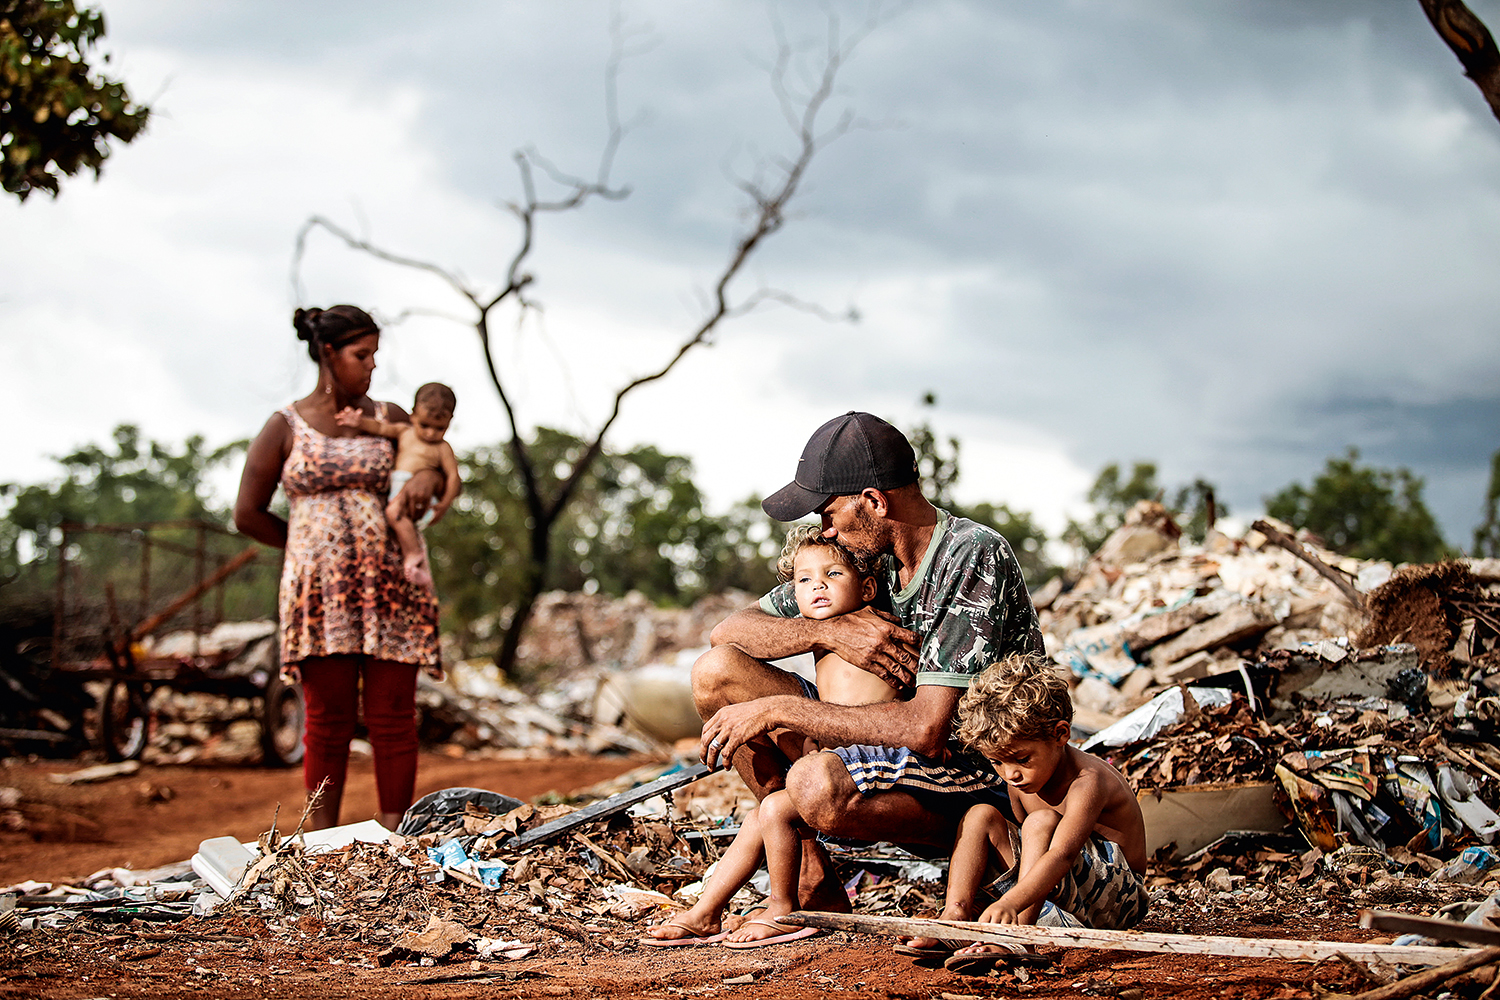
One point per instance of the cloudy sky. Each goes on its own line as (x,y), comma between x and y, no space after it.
(1233,239)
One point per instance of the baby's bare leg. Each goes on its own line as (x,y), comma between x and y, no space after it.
(705,917)
(413,552)
(781,831)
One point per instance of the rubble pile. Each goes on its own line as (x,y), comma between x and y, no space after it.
(450,889)
(1148,611)
(571,633)
(1364,697)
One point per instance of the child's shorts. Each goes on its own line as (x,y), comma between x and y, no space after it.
(400,478)
(1101,890)
(948,788)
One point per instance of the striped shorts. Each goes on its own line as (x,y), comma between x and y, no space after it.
(947,787)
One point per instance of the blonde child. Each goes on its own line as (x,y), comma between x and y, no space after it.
(420,452)
(826,582)
(1078,850)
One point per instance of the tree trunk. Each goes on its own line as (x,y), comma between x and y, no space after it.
(1472,42)
(536,581)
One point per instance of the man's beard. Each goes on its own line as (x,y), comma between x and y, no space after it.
(865,546)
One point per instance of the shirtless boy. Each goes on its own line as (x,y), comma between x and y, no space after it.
(420,452)
(1078,851)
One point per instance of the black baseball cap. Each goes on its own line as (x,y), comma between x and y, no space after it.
(850,453)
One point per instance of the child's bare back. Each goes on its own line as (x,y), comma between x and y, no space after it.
(1088,784)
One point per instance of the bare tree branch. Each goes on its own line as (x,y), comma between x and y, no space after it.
(766,215)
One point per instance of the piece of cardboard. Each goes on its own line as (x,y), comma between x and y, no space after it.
(1195,816)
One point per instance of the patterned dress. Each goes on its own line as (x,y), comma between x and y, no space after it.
(342,589)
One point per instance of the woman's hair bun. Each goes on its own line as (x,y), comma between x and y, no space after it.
(305,321)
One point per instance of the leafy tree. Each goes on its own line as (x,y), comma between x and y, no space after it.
(1112,499)
(120,575)
(1363,512)
(136,480)
(57,116)
(940,472)
(743,552)
(1487,535)
(636,523)
(1194,506)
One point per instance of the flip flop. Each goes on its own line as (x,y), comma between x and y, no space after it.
(984,962)
(912,951)
(693,940)
(796,935)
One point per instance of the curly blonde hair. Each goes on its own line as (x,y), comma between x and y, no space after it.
(1021,697)
(805,536)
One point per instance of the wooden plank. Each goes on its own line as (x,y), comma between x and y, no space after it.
(1085,937)
(1433,927)
(1238,622)
(1429,978)
(607,807)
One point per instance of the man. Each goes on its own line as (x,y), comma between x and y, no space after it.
(959,605)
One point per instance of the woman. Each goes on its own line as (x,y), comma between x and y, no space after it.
(348,614)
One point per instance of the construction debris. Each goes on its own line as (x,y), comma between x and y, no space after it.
(1309,735)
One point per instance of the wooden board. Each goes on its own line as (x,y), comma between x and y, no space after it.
(1433,927)
(1083,937)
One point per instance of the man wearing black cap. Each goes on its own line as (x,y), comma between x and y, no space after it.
(960,604)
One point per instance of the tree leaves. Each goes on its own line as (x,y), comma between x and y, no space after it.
(56,115)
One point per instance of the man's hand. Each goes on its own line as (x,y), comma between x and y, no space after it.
(733,726)
(875,642)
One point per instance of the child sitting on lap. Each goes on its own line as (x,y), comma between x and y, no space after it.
(420,452)
(827,583)
(1079,851)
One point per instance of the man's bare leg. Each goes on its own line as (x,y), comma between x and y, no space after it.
(829,802)
(727,675)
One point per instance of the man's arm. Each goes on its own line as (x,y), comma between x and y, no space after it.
(865,638)
(921,724)
(349,416)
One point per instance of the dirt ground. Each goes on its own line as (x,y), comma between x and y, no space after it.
(159,815)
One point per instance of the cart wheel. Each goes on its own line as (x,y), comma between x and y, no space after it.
(282,723)
(125,720)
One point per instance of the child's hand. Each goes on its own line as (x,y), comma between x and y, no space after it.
(1000,912)
(349,416)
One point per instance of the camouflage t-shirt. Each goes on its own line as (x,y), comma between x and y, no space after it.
(967,602)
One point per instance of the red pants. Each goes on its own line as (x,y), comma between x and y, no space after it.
(331,687)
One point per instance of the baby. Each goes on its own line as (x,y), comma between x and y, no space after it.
(826,582)
(420,452)
(1077,851)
